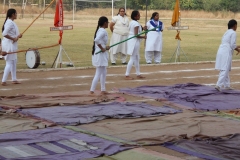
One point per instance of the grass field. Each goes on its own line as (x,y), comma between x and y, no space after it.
(200,42)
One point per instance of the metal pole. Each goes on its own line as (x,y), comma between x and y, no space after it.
(125,5)
(73,10)
(112,7)
(146,12)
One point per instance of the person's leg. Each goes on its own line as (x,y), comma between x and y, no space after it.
(129,67)
(221,79)
(113,58)
(124,58)
(227,81)
(148,56)
(7,70)
(103,78)
(14,70)
(157,57)
(95,79)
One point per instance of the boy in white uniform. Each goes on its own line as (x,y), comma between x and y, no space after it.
(224,56)
(154,40)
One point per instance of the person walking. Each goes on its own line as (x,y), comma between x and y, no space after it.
(11,35)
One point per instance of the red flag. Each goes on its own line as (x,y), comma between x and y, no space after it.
(58,19)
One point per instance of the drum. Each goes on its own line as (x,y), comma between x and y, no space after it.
(32,58)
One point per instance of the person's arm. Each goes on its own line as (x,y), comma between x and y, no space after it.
(136,32)
(98,41)
(111,26)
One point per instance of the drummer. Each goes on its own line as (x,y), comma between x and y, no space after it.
(11,35)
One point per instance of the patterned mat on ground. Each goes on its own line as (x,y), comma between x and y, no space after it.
(56,99)
(157,130)
(75,115)
(210,148)
(54,144)
(12,122)
(138,154)
(193,96)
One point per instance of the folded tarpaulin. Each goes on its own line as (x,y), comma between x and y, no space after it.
(54,144)
(157,130)
(75,115)
(55,99)
(217,148)
(193,96)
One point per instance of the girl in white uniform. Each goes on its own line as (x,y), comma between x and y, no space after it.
(119,28)
(154,40)
(100,60)
(11,35)
(224,55)
(133,45)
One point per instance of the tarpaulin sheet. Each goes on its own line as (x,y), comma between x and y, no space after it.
(54,99)
(138,154)
(157,130)
(218,148)
(74,115)
(54,144)
(12,122)
(194,96)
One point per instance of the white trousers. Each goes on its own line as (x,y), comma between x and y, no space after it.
(101,73)
(11,66)
(113,57)
(150,54)
(223,79)
(134,60)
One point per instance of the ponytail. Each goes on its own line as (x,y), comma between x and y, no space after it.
(9,14)
(93,48)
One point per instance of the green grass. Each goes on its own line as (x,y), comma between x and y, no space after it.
(200,42)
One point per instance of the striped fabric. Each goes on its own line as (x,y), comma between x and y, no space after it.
(45,148)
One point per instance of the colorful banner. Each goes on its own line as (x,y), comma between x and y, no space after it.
(58,19)
(176,14)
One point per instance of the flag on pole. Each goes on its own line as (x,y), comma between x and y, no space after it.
(176,14)
(58,19)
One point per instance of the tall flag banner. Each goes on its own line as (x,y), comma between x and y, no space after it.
(58,19)
(176,14)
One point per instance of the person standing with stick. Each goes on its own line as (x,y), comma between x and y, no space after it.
(133,45)
(11,35)
(119,28)
(100,61)
(224,56)
(154,41)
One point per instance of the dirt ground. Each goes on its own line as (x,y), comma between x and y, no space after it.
(78,79)
(36,81)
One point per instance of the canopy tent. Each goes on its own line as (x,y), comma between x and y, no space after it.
(106,1)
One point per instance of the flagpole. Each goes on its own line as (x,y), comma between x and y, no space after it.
(146,21)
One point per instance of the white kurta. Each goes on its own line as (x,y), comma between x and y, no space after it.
(154,39)
(134,41)
(225,51)
(100,59)
(120,33)
(11,29)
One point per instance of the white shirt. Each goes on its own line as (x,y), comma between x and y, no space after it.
(132,42)
(225,51)
(100,59)
(11,29)
(120,25)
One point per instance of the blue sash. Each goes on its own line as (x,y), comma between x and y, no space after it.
(159,26)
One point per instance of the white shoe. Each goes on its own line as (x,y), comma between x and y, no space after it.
(228,88)
(218,88)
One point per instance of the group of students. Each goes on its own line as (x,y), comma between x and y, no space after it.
(120,31)
(9,47)
(100,60)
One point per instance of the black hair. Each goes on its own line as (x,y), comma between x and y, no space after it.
(232,23)
(101,22)
(153,15)
(134,14)
(9,14)
(120,9)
